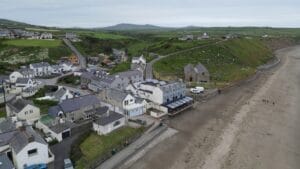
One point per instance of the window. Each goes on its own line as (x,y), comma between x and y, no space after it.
(116,123)
(126,102)
(26,112)
(32,152)
(31,111)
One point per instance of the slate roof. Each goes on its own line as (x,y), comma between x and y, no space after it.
(73,104)
(7,131)
(60,127)
(58,93)
(19,104)
(116,95)
(41,64)
(199,68)
(22,80)
(5,162)
(23,137)
(26,71)
(109,118)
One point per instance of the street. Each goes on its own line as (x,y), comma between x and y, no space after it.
(82,60)
(253,125)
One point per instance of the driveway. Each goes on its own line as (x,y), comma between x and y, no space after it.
(62,151)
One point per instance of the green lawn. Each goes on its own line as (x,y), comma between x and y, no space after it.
(70,79)
(95,146)
(228,61)
(124,66)
(33,43)
(104,35)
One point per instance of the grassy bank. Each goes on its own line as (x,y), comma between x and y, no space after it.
(94,147)
(227,61)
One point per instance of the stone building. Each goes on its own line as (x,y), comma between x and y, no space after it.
(197,73)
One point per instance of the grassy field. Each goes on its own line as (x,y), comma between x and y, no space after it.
(95,146)
(227,61)
(33,43)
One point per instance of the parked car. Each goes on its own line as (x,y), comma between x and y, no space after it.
(197,90)
(68,164)
(36,166)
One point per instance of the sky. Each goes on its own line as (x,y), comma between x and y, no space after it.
(171,13)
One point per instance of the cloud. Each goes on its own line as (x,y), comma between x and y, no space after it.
(98,13)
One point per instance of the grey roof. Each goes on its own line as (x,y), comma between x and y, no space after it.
(5,162)
(23,137)
(108,79)
(18,104)
(60,127)
(54,110)
(6,125)
(58,93)
(116,95)
(74,104)
(108,118)
(200,68)
(26,71)
(7,131)
(3,78)
(22,80)
(41,64)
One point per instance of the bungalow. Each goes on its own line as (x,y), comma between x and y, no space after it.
(124,103)
(28,148)
(108,122)
(60,95)
(41,69)
(23,110)
(75,109)
(21,73)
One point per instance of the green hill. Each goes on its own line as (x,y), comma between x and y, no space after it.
(227,61)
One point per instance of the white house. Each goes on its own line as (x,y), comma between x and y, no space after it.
(46,35)
(59,95)
(28,148)
(21,73)
(56,69)
(23,110)
(56,128)
(41,69)
(159,92)
(138,63)
(108,122)
(66,66)
(124,102)
(25,83)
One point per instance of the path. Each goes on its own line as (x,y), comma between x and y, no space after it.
(241,128)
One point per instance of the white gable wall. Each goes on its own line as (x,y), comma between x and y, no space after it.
(23,158)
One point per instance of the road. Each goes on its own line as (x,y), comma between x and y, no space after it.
(252,125)
(82,59)
(149,66)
